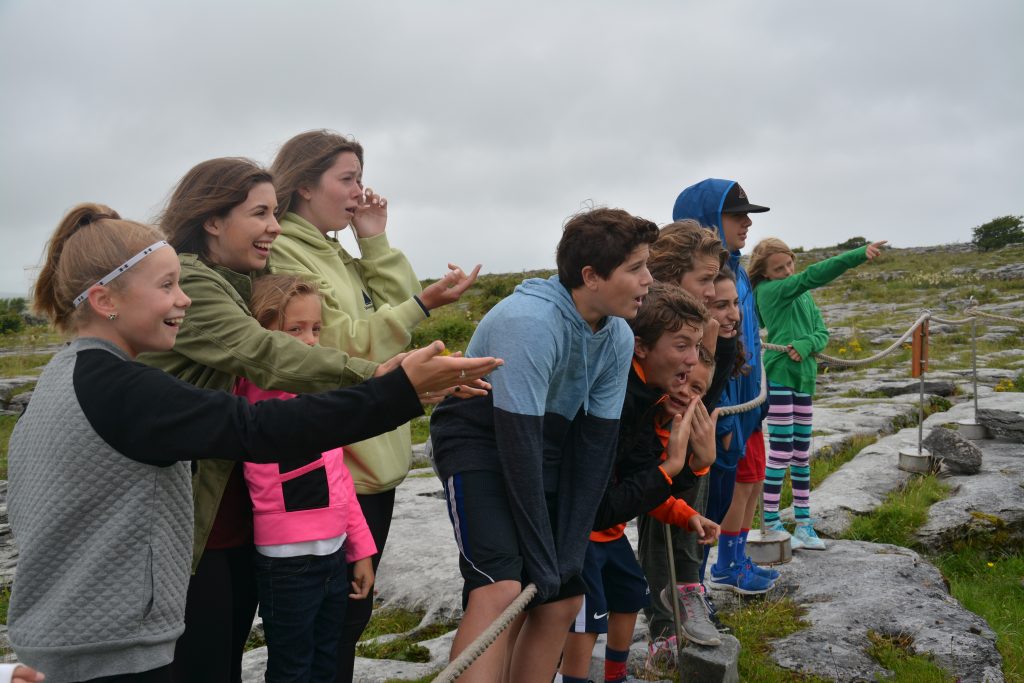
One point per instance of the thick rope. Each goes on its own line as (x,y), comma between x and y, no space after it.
(749,405)
(852,363)
(994,316)
(458,666)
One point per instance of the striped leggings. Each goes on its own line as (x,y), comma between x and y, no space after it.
(789,442)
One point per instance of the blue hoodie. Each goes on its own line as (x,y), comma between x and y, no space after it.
(549,426)
(703,203)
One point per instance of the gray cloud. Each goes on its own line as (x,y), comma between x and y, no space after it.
(487,125)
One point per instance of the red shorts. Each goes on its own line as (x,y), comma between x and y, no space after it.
(750,469)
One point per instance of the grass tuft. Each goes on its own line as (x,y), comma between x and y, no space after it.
(895,651)
(902,513)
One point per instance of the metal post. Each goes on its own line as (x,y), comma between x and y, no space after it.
(674,592)
(920,418)
(974,363)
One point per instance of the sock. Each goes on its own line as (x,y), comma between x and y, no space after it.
(728,542)
(615,665)
(573,679)
(741,552)
(689,587)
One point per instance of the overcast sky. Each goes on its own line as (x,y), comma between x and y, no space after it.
(487,124)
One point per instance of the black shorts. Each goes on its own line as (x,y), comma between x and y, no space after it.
(486,534)
(615,583)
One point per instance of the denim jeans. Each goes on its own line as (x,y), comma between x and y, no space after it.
(302,603)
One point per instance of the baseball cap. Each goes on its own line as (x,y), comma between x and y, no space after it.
(736,202)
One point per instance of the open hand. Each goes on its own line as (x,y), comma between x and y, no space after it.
(449,288)
(678,439)
(371,217)
(875,248)
(706,530)
(702,437)
(429,371)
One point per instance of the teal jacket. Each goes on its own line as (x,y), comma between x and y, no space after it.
(786,308)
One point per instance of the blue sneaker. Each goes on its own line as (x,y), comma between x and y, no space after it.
(808,538)
(764,572)
(739,579)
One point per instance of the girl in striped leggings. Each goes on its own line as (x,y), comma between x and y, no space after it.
(786,309)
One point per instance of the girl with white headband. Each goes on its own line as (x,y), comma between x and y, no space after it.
(100,497)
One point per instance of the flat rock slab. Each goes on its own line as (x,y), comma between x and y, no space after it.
(856,587)
(992,500)
(862,484)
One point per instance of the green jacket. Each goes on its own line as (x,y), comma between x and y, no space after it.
(788,311)
(220,341)
(369,310)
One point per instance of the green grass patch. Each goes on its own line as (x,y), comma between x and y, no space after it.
(6,427)
(422,679)
(5,602)
(934,404)
(255,640)
(401,649)
(895,652)
(420,429)
(902,513)
(754,624)
(989,583)
(33,337)
(23,364)
(392,620)
(1015,384)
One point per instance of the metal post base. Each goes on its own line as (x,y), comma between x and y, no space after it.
(917,463)
(769,547)
(969,429)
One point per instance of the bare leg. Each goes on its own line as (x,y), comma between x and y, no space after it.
(485,605)
(541,641)
(513,634)
(579,648)
(742,496)
(620,630)
(755,496)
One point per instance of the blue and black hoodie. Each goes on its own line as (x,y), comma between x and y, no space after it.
(549,426)
(703,203)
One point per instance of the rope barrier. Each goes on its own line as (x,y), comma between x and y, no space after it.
(995,316)
(749,405)
(458,666)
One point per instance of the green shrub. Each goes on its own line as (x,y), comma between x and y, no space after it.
(999,232)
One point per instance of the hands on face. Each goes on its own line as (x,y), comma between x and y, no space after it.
(371,217)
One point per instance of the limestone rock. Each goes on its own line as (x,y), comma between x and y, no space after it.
(714,664)
(958,454)
(992,500)
(1004,424)
(855,587)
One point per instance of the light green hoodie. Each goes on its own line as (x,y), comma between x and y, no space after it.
(369,311)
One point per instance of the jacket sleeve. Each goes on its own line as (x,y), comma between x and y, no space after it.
(359,541)
(392,286)
(674,512)
(816,340)
(815,275)
(519,392)
(217,332)
(154,418)
(631,495)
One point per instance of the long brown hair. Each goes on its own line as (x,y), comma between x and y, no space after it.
(90,241)
(769,246)
(209,190)
(304,159)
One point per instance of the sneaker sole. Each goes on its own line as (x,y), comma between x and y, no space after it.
(707,642)
(736,589)
(811,547)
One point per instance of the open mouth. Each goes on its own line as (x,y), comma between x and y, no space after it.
(263,247)
(174,322)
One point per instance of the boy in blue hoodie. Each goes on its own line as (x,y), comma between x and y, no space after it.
(736,477)
(525,467)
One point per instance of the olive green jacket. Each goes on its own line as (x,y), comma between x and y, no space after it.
(369,311)
(220,341)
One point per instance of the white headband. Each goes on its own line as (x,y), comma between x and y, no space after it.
(120,269)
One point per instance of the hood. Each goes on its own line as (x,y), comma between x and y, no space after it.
(299,229)
(553,291)
(703,203)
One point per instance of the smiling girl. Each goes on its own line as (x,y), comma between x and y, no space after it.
(100,498)
(221,218)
